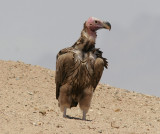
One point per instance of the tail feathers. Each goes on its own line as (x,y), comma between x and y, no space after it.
(74,103)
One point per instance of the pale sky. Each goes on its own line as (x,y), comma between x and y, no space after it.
(33,31)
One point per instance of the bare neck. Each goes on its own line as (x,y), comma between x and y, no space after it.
(87,40)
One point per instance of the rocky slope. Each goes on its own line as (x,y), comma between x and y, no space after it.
(28,106)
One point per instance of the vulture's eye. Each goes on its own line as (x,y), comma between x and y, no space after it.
(96,21)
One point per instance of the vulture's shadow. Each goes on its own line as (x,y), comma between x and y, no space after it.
(75,118)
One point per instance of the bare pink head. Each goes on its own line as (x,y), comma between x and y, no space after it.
(94,24)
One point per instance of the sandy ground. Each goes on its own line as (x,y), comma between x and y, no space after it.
(28,106)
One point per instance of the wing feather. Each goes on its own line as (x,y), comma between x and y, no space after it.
(64,68)
(97,75)
(98,67)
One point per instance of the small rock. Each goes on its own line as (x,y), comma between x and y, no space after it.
(39,123)
(125,126)
(35,124)
(100,131)
(51,75)
(158,120)
(91,127)
(17,78)
(43,112)
(118,110)
(99,113)
(30,93)
(59,126)
(114,125)
(21,129)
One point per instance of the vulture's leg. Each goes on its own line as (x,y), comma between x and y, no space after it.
(84,115)
(64,113)
(64,98)
(85,101)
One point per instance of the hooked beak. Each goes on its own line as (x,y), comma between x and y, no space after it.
(107,25)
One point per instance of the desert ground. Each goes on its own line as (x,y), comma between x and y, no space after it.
(28,106)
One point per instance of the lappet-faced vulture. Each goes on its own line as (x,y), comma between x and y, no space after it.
(79,69)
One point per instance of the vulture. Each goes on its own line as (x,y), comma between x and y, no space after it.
(79,69)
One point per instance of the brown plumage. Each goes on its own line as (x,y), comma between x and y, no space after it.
(79,69)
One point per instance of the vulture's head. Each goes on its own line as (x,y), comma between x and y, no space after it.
(94,24)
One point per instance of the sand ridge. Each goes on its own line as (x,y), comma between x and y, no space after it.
(28,106)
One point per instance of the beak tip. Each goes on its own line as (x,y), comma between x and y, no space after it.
(108,25)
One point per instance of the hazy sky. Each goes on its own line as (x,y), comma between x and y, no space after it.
(33,31)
